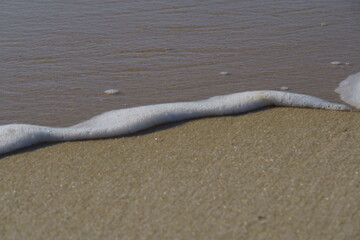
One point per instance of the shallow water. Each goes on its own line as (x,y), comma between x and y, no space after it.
(57,59)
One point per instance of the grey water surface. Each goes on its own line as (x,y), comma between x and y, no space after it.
(58,57)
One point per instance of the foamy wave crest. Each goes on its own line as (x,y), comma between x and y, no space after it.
(349,90)
(125,121)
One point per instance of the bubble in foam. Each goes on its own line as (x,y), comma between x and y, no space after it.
(340,63)
(349,90)
(111,91)
(224,73)
(284,88)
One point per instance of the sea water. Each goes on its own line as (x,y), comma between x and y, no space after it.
(59,57)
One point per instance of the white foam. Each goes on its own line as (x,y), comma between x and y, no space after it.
(125,121)
(349,90)
(112,91)
(336,63)
(224,73)
(284,88)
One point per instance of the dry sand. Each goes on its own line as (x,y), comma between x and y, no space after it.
(279,173)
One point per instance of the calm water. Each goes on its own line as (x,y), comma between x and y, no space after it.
(57,57)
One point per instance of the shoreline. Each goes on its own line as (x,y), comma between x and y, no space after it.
(275,173)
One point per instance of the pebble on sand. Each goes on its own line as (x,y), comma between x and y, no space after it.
(111,91)
(323,24)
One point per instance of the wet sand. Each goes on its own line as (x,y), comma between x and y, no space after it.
(279,173)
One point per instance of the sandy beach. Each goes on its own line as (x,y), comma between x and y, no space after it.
(279,173)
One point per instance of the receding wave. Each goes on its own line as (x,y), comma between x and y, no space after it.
(349,90)
(126,121)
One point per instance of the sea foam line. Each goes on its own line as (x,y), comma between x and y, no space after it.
(125,121)
(349,90)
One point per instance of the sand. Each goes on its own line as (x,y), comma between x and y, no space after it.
(279,173)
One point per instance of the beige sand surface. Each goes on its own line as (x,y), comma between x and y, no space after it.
(279,173)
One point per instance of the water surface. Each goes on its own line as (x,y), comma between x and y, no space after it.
(57,58)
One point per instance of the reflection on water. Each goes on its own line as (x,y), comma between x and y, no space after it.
(57,58)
